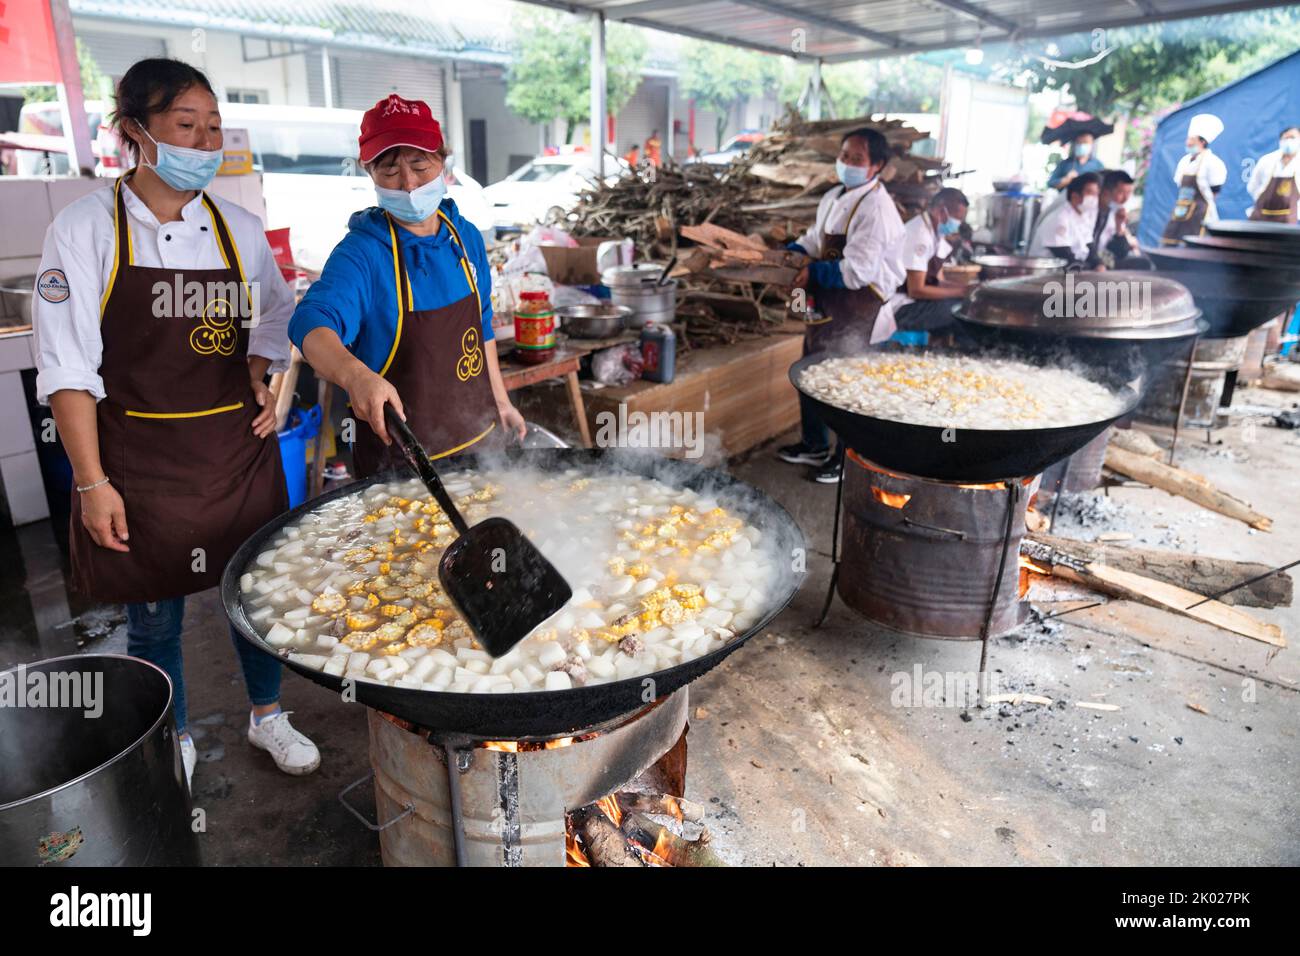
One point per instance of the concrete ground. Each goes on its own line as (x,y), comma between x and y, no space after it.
(798,744)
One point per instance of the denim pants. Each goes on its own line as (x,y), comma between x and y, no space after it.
(153,633)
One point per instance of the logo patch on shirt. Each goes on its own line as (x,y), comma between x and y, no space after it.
(53,286)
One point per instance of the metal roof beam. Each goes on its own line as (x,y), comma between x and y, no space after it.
(1160,16)
(889,40)
(975,13)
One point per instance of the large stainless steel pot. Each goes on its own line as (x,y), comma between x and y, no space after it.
(99,781)
(638,288)
(1005,219)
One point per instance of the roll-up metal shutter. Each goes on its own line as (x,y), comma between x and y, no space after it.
(363,79)
(114,53)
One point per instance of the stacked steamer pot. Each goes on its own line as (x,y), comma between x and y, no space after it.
(1243,275)
(1122,326)
(645,289)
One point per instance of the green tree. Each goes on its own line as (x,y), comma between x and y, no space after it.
(719,77)
(895,85)
(550,73)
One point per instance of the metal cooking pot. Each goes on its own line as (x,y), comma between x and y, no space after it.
(16,295)
(98,782)
(542,714)
(638,288)
(601,320)
(1006,267)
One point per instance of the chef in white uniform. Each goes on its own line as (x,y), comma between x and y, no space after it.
(1275,180)
(924,301)
(1199,176)
(855,242)
(1066,230)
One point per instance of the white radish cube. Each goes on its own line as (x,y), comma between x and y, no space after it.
(279,635)
(558,680)
(314,661)
(552,654)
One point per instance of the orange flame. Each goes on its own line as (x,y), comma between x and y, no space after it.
(889,498)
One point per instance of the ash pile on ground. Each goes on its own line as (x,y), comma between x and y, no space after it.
(1085,515)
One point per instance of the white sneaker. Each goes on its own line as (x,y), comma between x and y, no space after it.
(189,757)
(293,753)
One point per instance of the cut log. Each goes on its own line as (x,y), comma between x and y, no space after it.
(1135,587)
(1176,481)
(667,845)
(1138,442)
(711,235)
(1196,572)
(606,844)
(660,803)
(1282,378)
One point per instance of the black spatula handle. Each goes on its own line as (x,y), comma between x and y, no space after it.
(423,467)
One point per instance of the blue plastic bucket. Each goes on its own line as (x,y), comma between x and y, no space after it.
(913,337)
(301,428)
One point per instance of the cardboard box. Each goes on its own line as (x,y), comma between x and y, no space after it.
(567,266)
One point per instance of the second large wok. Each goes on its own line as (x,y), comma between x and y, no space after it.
(540,714)
(973,455)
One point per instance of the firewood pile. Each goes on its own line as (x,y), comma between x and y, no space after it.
(727,226)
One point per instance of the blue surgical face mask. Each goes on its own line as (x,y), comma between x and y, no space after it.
(1193,150)
(852,176)
(949,227)
(1083,150)
(414,206)
(182,168)
(1115,204)
(1289,146)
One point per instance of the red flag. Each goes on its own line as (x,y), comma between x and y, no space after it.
(27,51)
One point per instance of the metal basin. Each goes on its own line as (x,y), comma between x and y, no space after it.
(602,320)
(1006,267)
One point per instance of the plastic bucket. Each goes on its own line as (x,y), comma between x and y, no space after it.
(301,428)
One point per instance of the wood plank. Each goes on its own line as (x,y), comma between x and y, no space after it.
(1177,481)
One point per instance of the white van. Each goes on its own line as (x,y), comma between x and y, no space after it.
(312,180)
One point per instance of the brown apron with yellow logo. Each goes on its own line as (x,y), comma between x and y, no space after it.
(175,430)
(848,314)
(1277,203)
(439,368)
(1189,212)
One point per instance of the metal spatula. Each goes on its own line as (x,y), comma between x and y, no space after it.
(498,580)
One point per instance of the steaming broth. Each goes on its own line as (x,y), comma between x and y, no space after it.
(950,391)
(660,576)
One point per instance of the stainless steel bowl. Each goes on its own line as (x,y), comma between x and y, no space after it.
(602,320)
(1006,267)
(16,296)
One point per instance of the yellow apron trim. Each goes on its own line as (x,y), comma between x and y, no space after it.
(477,438)
(397,291)
(209,411)
(214,214)
(464,261)
(117,252)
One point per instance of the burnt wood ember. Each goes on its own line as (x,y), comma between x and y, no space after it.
(661,804)
(604,843)
(668,846)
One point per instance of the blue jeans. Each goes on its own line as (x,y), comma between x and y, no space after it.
(153,633)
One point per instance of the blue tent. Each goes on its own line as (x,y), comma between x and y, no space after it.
(1254,110)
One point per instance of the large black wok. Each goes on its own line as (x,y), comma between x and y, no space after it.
(975,455)
(540,713)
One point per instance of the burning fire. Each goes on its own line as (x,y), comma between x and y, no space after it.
(889,498)
(523,746)
(1027,568)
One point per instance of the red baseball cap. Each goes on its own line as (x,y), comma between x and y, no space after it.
(398,122)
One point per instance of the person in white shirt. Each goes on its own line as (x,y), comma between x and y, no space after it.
(1199,176)
(1114,245)
(1275,180)
(1066,230)
(853,242)
(924,300)
(158,314)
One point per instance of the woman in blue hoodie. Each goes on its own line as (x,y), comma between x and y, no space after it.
(402,313)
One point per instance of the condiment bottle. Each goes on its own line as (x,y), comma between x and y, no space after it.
(659,351)
(534,327)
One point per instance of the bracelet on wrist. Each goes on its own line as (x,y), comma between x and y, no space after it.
(82,489)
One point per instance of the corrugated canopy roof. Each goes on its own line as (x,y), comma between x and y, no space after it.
(841,30)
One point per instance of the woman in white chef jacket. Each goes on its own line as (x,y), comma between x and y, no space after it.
(1199,176)
(1274,180)
(159,311)
(1066,230)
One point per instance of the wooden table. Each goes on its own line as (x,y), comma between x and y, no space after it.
(562,363)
